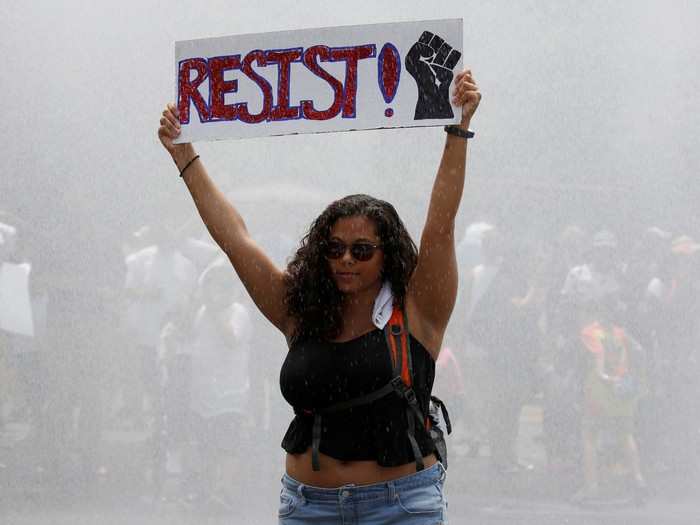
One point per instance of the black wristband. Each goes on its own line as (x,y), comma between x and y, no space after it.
(188,165)
(459,132)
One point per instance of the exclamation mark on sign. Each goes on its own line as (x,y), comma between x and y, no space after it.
(389,72)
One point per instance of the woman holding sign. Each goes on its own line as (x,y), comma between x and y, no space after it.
(358,378)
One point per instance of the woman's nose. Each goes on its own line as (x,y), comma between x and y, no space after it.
(347,255)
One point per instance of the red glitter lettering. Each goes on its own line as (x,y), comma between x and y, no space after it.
(307,106)
(284,58)
(351,56)
(187,89)
(219,87)
(247,69)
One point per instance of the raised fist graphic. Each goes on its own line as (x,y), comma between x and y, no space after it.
(430,62)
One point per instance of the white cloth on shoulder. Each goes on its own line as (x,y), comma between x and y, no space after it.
(383,306)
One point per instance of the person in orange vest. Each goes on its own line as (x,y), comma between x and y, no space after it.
(613,385)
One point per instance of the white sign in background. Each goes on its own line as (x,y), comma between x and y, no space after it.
(15,306)
(306,81)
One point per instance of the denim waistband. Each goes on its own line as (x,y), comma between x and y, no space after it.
(425,477)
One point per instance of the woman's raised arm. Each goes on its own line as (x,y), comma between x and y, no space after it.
(433,288)
(262,279)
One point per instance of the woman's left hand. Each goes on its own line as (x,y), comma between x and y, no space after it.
(466,94)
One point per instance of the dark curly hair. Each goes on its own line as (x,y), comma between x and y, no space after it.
(312,297)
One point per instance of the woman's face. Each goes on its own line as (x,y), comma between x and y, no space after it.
(350,274)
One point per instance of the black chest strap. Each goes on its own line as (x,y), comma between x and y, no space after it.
(396,335)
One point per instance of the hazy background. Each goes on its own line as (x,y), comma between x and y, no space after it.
(574,98)
(589,114)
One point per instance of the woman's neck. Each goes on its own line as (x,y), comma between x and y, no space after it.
(357,310)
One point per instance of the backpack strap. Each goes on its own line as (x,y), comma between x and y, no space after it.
(445,415)
(398,341)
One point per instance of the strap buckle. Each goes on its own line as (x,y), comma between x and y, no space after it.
(404,391)
(398,385)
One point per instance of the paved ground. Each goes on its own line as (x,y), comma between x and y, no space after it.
(475,493)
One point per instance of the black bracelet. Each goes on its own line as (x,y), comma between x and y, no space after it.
(188,165)
(459,132)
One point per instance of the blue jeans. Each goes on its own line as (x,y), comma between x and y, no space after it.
(415,499)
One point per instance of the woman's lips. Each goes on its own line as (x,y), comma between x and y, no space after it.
(346,276)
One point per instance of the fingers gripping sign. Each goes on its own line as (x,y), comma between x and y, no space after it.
(430,62)
(169,128)
(466,94)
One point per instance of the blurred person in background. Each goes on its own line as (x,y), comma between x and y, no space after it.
(10,400)
(83,275)
(469,249)
(597,275)
(7,386)
(600,275)
(219,349)
(159,282)
(614,382)
(675,298)
(3,344)
(471,385)
(559,362)
(648,276)
(647,263)
(197,246)
(23,328)
(504,324)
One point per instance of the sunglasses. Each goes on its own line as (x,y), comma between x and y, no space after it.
(360,251)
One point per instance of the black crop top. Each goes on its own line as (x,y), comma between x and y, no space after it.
(318,374)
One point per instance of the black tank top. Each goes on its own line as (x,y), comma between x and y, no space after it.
(317,374)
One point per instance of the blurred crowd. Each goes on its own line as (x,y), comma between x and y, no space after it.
(154,341)
(596,337)
(147,344)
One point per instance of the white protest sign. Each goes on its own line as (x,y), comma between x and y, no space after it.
(318,80)
(15,306)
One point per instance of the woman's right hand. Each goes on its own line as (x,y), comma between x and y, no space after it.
(169,130)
